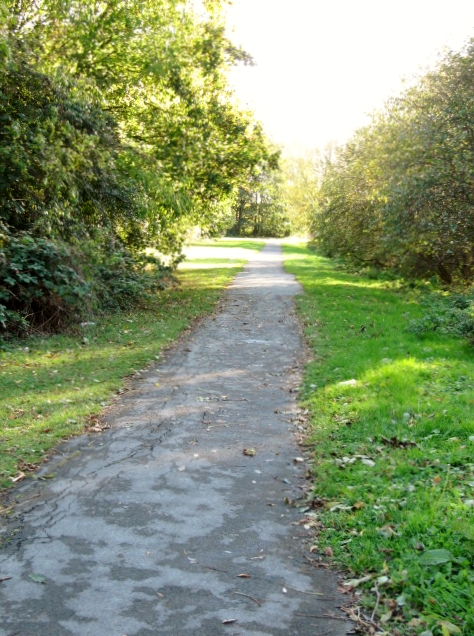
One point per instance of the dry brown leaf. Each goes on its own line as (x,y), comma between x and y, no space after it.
(19,477)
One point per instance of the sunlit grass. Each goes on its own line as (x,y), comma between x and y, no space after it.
(393,441)
(245,244)
(50,388)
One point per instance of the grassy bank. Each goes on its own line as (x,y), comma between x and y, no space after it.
(51,388)
(393,440)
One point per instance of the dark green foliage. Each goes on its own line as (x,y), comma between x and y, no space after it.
(400,193)
(45,285)
(451,314)
(39,284)
(120,281)
(57,158)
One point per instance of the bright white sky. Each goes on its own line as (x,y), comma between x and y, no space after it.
(323,64)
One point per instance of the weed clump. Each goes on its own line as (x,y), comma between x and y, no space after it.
(447,314)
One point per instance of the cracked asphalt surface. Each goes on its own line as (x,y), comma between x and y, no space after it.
(150,527)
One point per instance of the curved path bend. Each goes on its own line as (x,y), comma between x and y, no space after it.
(146,528)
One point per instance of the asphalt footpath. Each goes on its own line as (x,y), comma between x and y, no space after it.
(176,520)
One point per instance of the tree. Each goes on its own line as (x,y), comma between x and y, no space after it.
(301,181)
(159,69)
(118,131)
(260,209)
(400,192)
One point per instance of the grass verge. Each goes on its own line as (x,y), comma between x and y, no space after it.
(245,244)
(392,437)
(52,388)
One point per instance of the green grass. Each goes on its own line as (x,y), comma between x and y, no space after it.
(393,471)
(51,388)
(245,244)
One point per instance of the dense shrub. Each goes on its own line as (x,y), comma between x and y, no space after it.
(122,281)
(59,175)
(40,286)
(46,285)
(447,314)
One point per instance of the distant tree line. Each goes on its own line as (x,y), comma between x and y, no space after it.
(260,208)
(400,193)
(117,133)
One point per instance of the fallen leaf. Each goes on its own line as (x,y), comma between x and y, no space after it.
(37,578)
(448,628)
(398,443)
(358,505)
(383,580)
(401,600)
(228,621)
(435,557)
(387,531)
(356,582)
(250,452)
(243,576)
(386,617)
(328,551)
(19,477)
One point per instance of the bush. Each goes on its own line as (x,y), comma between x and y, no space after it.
(47,285)
(451,314)
(121,280)
(40,286)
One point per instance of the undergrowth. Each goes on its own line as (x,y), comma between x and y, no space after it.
(392,439)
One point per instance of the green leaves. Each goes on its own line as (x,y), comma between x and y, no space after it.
(399,193)
(435,557)
(37,578)
(118,130)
